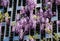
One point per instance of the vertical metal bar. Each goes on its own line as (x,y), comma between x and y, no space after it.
(8,4)
(51,35)
(15,16)
(52,31)
(41,2)
(5,23)
(11,18)
(5,30)
(35,27)
(57,18)
(40,24)
(40,29)
(17,2)
(21,2)
(0,36)
(0,33)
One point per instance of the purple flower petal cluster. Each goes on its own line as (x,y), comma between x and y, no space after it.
(31,4)
(57,2)
(22,10)
(29,22)
(25,23)
(4,3)
(58,22)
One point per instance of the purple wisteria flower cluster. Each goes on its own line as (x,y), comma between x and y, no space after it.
(57,2)
(24,23)
(5,3)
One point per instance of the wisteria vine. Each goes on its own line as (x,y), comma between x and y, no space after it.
(24,23)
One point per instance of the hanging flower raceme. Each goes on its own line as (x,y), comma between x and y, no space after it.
(41,27)
(42,20)
(49,13)
(22,10)
(37,18)
(17,17)
(7,17)
(34,21)
(58,22)
(31,4)
(40,12)
(45,14)
(49,5)
(54,13)
(20,25)
(46,1)
(30,24)
(23,21)
(57,2)
(26,25)
(26,29)
(13,24)
(21,33)
(48,28)
(47,20)
(5,3)
(17,27)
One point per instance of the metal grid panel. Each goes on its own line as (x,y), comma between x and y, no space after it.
(10,9)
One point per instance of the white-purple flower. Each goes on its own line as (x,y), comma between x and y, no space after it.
(48,28)
(21,33)
(18,26)
(22,10)
(46,1)
(41,12)
(31,4)
(5,3)
(32,39)
(57,2)
(13,28)
(42,26)
(49,13)
(49,5)
(42,20)
(17,16)
(58,22)
(45,14)
(34,24)
(47,20)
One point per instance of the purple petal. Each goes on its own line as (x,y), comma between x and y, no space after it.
(5,3)
(21,33)
(17,16)
(57,2)
(42,26)
(13,28)
(31,4)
